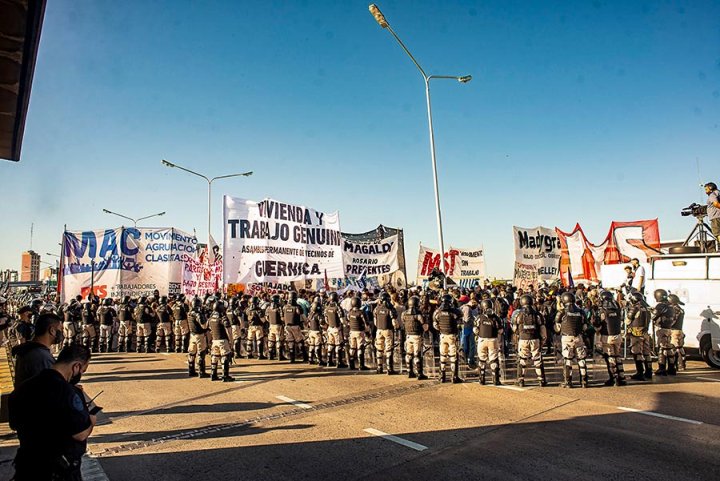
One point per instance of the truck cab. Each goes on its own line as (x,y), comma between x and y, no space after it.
(695,279)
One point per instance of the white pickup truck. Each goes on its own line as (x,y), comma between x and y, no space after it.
(695,279)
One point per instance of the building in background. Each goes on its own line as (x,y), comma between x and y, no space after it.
(30,267)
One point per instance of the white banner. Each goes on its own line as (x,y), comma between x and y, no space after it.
(537,255)
(124,261)
(460,263)
(271,241)
(372,259)
(202,274)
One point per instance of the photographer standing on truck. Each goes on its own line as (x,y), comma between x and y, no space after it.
(713,209)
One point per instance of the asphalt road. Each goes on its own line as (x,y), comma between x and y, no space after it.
(288,422)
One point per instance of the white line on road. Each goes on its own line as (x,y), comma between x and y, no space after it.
(512,388)
(703,371)
(658,415)
(296,403)
(707,378)
(396,439)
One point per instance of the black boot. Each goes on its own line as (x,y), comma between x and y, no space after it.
(214,372)
(226,371)
(442,373)
(342,359)
(389,366)
(191,366)
(661,371)
(456,373)
(261,350)
(611,378)
(567,376)
(201,367)
(481,374)
(237,348)
(543,379)
(352,363)
(639,371)
(319,356)
(648,369)
(362,366)
(411,368)
(671,366)
(378,364)
(331,357)
(496,376)
(421,375)
(304,353)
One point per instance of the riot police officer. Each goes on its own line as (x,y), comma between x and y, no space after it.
(532,334)
(445,320)
(125,329)
(608,323)
(664,317)
(276,338)
(638,320)
(89,327)
(163,332)
(292,318)
(181,330)
(71,314)
(678,337)
(414,325)
(488,327)
(106,318)
(256,329)
(335,318)
(386,322)
(358,323)
(570,324)
(220,351)
(197,348)
(315,324)
(143,317)
(235,316)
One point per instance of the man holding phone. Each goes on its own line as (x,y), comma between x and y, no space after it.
(53,420)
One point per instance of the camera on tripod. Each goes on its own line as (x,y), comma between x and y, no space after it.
(695,210)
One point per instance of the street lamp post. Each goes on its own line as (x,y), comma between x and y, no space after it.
(380,18)
(134,221)
(209,183)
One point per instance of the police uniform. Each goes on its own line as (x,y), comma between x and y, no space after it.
(292,318)
(125,330)
(678,336)
(276,337)
(89,329)
(220,350)
(356,341)
(181,330)
(197,348)
(334,316)
(256,332)
(570,324)
(532,334)
(315,322)
(638,321)
(413,323)
(608,322)
(487,328)
(106,315)
(69,327)
(385,324)
(445,320)
(235,317)
(163,333)
(143,317)
(664,319)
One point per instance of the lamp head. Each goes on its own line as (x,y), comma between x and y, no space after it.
(167,164)
(465,79)
(107,211)
(379,17)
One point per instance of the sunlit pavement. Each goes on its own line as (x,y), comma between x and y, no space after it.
(283,421)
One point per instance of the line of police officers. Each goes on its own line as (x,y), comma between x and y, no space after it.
(331,336)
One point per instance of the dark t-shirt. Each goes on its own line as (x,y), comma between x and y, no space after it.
(32,358)
(46,411)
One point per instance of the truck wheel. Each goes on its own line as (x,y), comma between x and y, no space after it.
(711,357)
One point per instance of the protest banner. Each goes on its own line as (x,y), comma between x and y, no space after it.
(460,263)
(202,274)
(371,259)
(272,241)
(124,261)
(537,255)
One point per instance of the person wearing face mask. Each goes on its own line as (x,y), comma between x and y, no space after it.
(34,356)
(53,420)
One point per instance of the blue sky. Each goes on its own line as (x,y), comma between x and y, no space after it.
(586,111)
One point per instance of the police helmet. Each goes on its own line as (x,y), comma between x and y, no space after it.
(218,306)
(126,300)
(255,301)
(275,299)
(446,301)
(675,300)
(637,298)
(568,299)
(163,300)
(486,305)
(355,302)
(606,296)
(661,295)
(413,302)
(107,301)
(526,300)
(293,297)
(143,300)
(197,302)
(333,297)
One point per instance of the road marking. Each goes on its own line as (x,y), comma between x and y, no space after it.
(512,388)
(695,372)
(91,470)
(664,416)
(707,379)
(296,403)
(396,439)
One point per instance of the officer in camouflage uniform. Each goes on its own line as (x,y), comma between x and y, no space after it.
(71,314)
(608,324)
(235,317)
(126,328)
(358,323)
(198,348)
(386,322)
(276,338)
(663,318)
(164,326)
(488,328)
(445,320)
(256,329)
(181,330)
(220,350)
(335,318)
(106,318)
(89,327)
(143,317)
(414,325)
(677,335)
(293,320)
(570,324)
(315,324)
(532,334)
(638,320)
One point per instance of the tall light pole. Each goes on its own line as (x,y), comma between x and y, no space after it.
(134,221)
(380,18)
(209,183)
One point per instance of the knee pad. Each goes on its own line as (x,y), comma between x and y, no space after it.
(568,362)
(581,363)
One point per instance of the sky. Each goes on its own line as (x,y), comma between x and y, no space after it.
(583,111)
